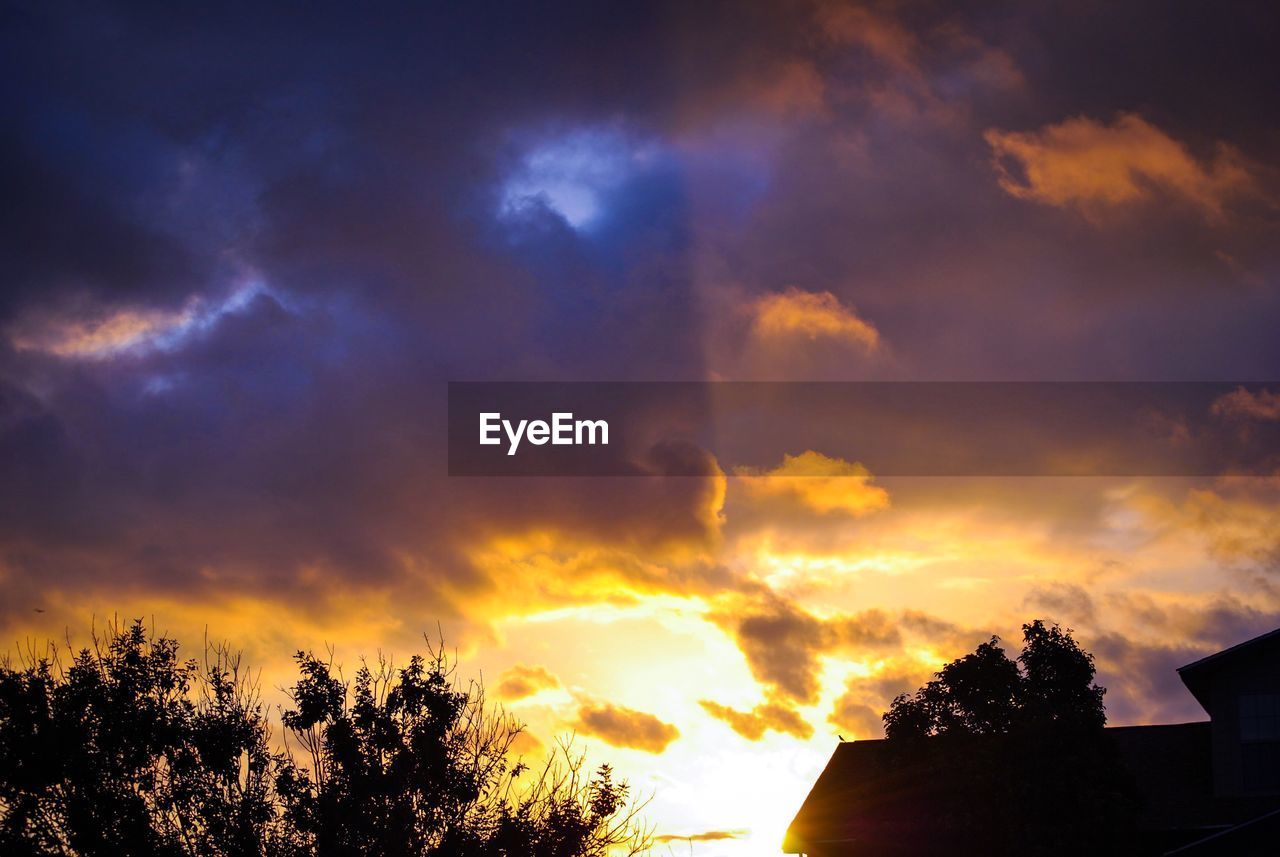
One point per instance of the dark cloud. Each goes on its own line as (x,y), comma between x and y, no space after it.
(1065,602)
(348,173)
(753,724)
(1138,662)
(1142,681)
(625,727)
(784,644)
(781,643)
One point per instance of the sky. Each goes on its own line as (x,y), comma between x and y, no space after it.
(245,248)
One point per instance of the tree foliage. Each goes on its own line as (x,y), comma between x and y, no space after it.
(1013,754)
(985,693)
(130,750)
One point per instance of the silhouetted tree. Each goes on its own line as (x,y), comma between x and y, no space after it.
(1014,758)
(985,693)
(977,694)
(410,764)
(1057,683)
(129,750)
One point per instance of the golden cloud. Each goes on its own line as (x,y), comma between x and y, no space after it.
(526,744)
(857,719)
(523,681)
(625,727)
(770,716)
(1085,163)
(797,314)
(705,836)
(817,482)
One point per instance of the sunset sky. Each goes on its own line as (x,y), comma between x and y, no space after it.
(245,250)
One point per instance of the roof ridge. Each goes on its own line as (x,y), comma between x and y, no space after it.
(1229,650)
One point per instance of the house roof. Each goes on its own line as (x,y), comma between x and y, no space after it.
(1198,675)
(1258,835)
(858,797)
(863,798)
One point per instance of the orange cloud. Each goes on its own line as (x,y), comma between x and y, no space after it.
(1090,165)
(522,681)
(101,336)
(882,37)
(794,88)
(817,482)
(856,718)
(526,744)
(705,836)
(95,333)
(913,74)
(857,712)
(771,716)
(1240,404)
(625,727)
(799,314)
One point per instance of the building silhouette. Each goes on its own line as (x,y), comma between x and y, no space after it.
(1204,788)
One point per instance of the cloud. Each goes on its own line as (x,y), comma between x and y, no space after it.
(817,482)
(881,36)
(1142,681)
(857,712)
(574,175)
(792,88)
(527,744)
(1241,404)
(1066,602)
(101,334)
(783,642)
(1090,165)
(912,73)
(795,314)
(625,727)
(1234,522)
(289,486)
(856,718)
(521,681)
(769,716)
(705,836)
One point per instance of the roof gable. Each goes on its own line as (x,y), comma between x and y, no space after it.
(1198,675)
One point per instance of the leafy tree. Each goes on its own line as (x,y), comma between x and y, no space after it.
(1057,683)
(129,750)
(977,694)
(985,693)
(1013,754)
(410,764)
